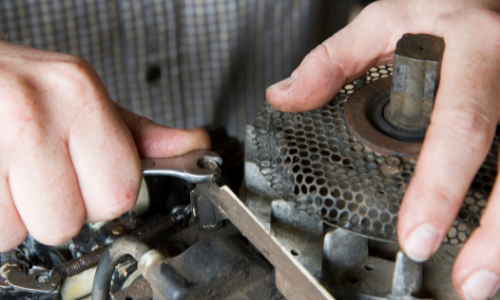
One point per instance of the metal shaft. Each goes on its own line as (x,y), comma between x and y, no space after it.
(417,65)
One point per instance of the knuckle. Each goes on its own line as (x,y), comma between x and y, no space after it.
(75,74)
(26,123)
(321,54)
(443,194)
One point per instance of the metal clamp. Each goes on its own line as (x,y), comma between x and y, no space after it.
(35,280)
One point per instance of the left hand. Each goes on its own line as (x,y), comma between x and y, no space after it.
(465,115)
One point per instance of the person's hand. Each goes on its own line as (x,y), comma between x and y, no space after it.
(466,113)
(67,152)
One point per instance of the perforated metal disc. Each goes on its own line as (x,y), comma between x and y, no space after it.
(312,159)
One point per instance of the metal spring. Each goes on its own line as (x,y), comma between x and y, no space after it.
(155,229)
(146,234)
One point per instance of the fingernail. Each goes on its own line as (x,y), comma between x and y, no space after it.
(481,285)
(422,242)
(285,82)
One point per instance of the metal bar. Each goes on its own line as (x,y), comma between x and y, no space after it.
(291,272)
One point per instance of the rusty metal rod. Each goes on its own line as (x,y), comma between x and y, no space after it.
(146,234)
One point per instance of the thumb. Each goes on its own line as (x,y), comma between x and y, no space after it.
(367,41)
(155,140)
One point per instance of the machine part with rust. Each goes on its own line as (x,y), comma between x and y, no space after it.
(364,117)
(313,160)
(354,184)
(393,120)
(340,166)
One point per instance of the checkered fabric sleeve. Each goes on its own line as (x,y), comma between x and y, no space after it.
(182,63)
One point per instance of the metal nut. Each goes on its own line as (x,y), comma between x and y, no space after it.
(392,165)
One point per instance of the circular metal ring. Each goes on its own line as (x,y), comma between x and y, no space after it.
(358,114)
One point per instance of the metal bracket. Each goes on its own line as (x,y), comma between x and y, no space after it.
(292,279)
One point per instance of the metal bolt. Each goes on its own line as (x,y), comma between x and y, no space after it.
(392,165)
(117,230)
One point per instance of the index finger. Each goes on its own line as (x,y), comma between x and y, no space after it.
(368,41)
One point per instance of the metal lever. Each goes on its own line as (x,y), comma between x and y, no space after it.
(197,166)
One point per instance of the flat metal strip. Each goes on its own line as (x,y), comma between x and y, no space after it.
(305,286)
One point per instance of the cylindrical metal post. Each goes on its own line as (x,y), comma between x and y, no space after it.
(417,65)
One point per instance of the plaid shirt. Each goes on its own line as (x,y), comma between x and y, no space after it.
(182,63)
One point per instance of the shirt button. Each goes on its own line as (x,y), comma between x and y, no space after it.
(153,74)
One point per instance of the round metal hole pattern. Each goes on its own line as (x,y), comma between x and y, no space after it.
(312,159)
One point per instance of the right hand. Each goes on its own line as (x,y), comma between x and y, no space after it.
(464,119)
(68,154)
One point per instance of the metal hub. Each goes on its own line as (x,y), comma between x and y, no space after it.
(364,113)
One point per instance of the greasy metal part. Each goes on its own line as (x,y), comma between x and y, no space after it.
(290,273)
(299,233)
(140,290)
(110,259)
(146,234)
(82,263)
(156,229)
(34,281)
(220,266)
(364,118)
(417,65)
(187,166)
(205,211)
(343,251)
(407,279)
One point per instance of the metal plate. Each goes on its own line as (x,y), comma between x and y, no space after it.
(312,159)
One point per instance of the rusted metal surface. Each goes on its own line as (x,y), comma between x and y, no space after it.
(363,125)
(294,274)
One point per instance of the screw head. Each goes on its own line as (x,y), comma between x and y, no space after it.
(392,165)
